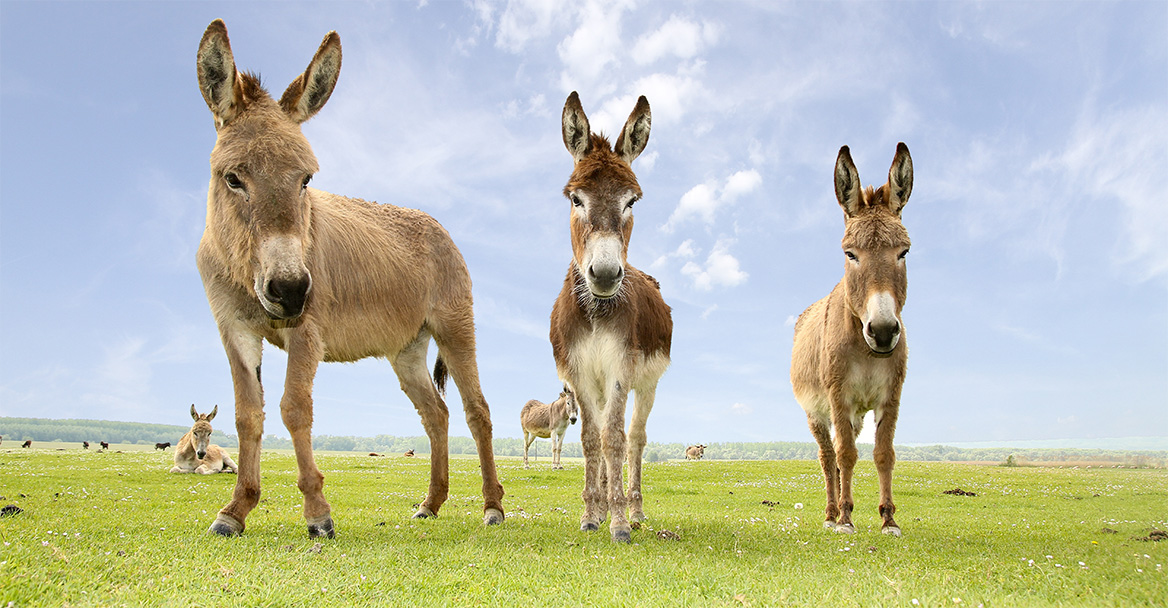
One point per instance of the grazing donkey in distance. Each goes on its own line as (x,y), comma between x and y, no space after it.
(163,446)
(850,352)
(695,452)
(27,443)
(325,278)
(195,452)
(540,419)
(610,328)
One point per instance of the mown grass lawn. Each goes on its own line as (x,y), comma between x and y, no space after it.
(108,528)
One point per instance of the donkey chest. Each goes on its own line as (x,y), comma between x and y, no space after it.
(599,356)
(867,384)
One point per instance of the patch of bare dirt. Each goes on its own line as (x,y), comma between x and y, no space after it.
(959,492)
(1154,536)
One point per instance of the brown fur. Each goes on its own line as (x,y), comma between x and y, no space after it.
(326,278)
(610,328)
(195,453)
(695,452)
(539,419)
(850,352)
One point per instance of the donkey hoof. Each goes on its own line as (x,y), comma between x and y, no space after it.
(588,526)
(225,525)
(891,531)
(829,524)
(424,513)
(321,527)
(492,517)
(621,535)
(845,528)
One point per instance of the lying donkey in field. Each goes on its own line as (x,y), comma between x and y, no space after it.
(545,420)
(695,452)
(195,452)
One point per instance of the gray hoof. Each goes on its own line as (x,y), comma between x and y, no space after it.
(621,535)
(845,528)
(321,527)
(891,531)
(225,525)
(830,525)
(491,517)
(587,526)
(424,513)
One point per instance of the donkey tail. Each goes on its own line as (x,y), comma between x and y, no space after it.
(440,375)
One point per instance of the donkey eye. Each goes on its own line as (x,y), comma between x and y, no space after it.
(902,255)
(233,181)
(629,205)
(576,202)
(304,184)
(851,256)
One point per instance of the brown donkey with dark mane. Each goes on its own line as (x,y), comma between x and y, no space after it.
(850,352)
(610,327)
(326,278)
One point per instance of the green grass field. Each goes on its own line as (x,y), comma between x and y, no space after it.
(108,528)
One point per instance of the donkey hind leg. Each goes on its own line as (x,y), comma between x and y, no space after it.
(410,367)
(244,354)
(642,405)
(527,439)
(457,349)
(885,457)
(305,351)
(821,430)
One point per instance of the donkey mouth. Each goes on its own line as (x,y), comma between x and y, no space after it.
(879,354)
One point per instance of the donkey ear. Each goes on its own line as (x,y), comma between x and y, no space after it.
(635,135)
(213,412)
(577,133)
(900,178)
(847,182)
(217,76)
(309,92)
(194,414)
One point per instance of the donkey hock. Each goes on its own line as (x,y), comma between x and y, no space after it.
(326,278)
(850,353)
(610,327)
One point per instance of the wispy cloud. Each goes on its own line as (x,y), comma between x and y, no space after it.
(703,201)
(677,37)
(721,269)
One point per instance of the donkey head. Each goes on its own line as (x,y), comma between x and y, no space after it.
(875,244)
(571,409)
(259,203)
(602,189)
(201,431)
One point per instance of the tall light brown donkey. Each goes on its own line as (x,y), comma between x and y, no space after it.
(326,278)
(539,419)
(850,351)
(610,328)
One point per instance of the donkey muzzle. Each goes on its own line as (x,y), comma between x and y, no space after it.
(284,298)
(881,325)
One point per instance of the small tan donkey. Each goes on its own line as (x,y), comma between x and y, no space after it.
(850,352)
(325,278)
(540,419)
(196,454)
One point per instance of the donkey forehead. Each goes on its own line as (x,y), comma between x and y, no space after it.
(604,175)
(266,143)
(875,228)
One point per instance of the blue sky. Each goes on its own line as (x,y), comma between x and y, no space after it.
(1038,278)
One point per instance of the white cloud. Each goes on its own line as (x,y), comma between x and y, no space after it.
(721,269)
(741,409)
(593,48)
(677,37)
(524,20)
(709,311)
(703,200)
(685,251)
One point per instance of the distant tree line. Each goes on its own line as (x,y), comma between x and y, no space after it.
(43,429)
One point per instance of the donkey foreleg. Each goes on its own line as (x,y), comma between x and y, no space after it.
(593,494)
(244,354)
(557,445)
(846,456)
(642,405)
(527,439)
(614,445)
(885,458)
(305,351)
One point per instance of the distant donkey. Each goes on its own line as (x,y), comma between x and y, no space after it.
(326,278)
(610,328)
(104,445)
(27,443)
(695,452)
(195,452)
(850,351)
(540,419)
(163,446)
(85,445)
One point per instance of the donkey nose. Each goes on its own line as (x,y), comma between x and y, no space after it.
(884,334)
(289,293)
(200,455)
(605,275)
